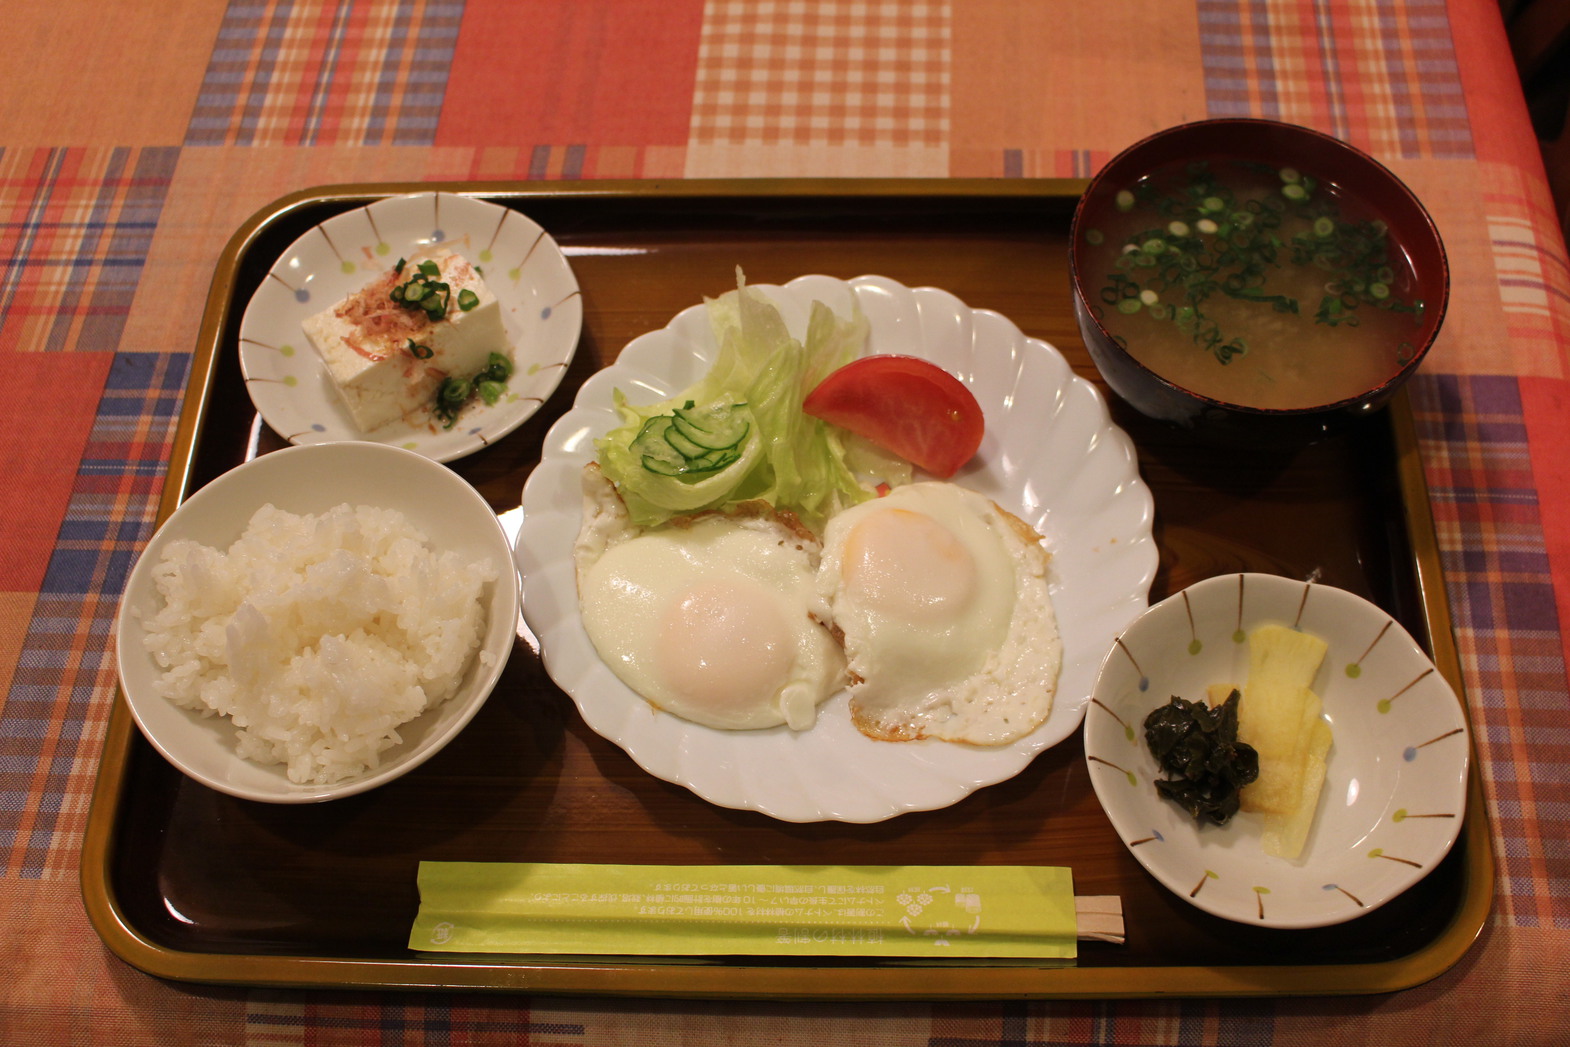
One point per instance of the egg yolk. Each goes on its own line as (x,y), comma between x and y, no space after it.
(723,646)
(908,564)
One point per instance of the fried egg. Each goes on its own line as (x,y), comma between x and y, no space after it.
(716,619)
(948,626)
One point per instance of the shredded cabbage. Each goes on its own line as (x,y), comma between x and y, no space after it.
(789,459)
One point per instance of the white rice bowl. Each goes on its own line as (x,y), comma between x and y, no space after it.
(354,629)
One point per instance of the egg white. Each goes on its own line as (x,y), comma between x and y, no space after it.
(948,626)
(716,619)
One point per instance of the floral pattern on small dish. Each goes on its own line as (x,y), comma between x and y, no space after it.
(541,309)
(1395,788)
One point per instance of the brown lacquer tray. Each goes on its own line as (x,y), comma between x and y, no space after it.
(189,884)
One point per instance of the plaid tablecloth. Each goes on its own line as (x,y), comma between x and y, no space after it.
(133,143)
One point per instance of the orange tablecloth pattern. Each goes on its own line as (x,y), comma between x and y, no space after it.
(133,144)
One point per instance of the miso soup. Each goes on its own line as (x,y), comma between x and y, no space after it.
(1252,284)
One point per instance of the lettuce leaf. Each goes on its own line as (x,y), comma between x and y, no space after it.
(793,461)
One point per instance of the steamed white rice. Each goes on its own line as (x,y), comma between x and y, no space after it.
(317,635)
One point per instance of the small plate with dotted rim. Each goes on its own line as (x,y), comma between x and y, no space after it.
(1394,794)
(524,268)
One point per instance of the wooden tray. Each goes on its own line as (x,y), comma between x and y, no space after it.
(188,884)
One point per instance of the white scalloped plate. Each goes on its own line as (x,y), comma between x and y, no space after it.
(523,266)
(1395,781)
(1051,455)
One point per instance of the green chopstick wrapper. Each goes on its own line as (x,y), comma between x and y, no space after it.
(938,913)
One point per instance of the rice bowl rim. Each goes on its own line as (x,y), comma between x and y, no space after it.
(451,513)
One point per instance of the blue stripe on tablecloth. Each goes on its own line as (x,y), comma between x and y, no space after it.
(1169,1023)
(437,1018)
(278,78)
(1229,79)
(1259,62)
(67,658)
(322,91)
(81,271)
(1507,627)
(81,229)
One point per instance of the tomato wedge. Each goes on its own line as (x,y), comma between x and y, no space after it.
(905,405)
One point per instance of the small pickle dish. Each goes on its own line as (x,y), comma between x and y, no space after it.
(1395,777)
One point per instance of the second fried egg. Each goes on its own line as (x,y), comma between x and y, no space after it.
(948,626)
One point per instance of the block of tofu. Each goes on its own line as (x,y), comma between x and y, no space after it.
(364,341)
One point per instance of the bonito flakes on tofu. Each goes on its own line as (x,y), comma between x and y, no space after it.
(391,345)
